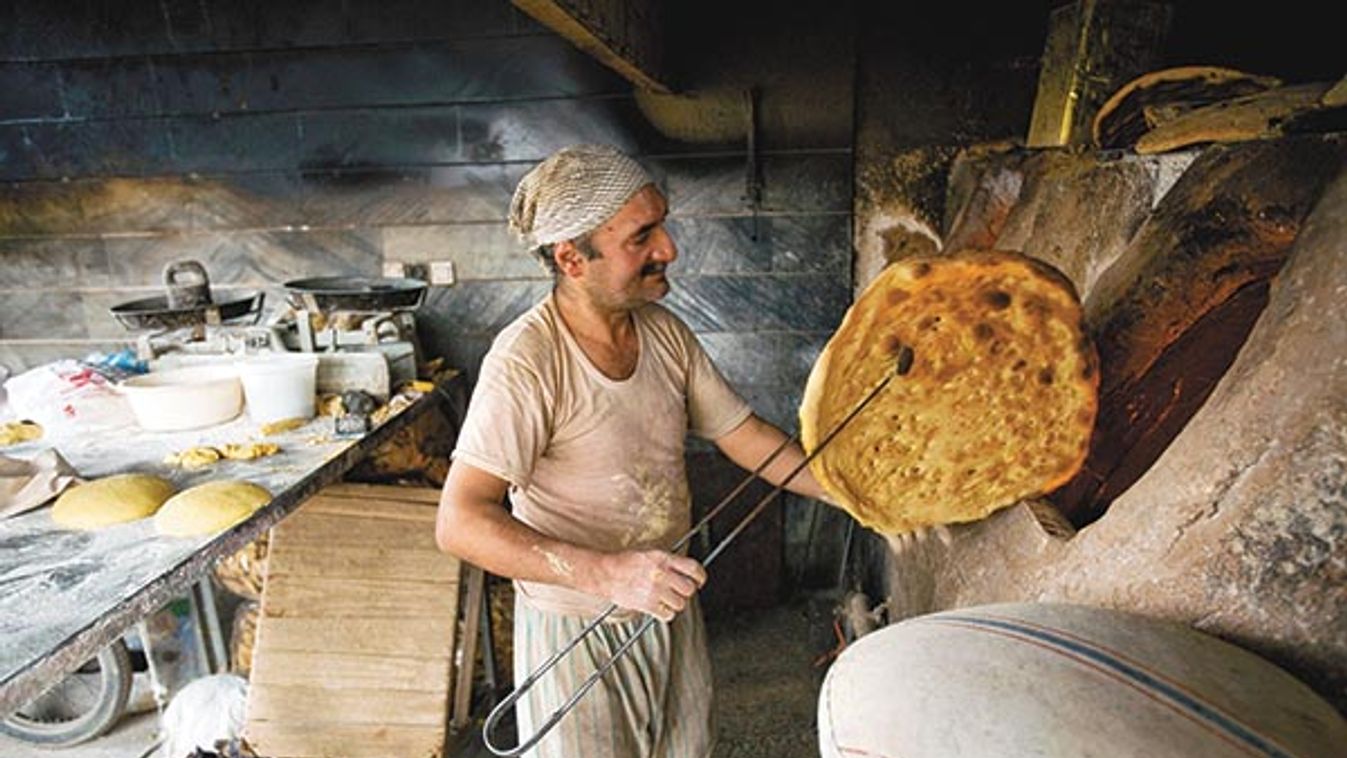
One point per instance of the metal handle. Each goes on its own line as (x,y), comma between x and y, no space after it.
(902,366)
(186,284)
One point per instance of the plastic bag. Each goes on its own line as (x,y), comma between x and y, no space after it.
(66,396)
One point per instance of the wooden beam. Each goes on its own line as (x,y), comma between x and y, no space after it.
(621,34)
(1093,47)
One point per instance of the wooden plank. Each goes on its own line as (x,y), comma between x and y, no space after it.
(475,578)
(357,629)
(320,703)
(620,35)
(339,531)
(295,741)
(312,597)
(365,636)
(1092,49)
(414,512)
(429,495)
(338,669)
(363,563)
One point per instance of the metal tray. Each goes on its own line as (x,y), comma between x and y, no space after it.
(352,293)
(155,313)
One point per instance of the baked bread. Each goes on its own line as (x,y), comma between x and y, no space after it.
(997,406)
(1133,109)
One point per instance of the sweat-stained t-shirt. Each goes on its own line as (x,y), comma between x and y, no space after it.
(591,460)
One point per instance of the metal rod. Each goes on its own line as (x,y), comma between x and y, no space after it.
(500,709)
(902,366)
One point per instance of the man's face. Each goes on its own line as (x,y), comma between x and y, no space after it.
(633,250)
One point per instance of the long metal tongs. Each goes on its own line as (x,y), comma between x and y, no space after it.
(901,367)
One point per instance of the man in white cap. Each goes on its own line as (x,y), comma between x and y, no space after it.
(580,413)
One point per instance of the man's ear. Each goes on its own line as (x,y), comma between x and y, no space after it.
(570,261)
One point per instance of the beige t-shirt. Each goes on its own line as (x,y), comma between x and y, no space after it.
(590,460)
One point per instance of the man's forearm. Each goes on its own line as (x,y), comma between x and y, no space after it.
(754,440)
(488,536)
(473,524)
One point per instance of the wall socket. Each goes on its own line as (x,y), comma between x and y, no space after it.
(435,273)
(442,273)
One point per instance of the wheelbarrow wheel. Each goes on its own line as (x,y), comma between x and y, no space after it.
(81,706)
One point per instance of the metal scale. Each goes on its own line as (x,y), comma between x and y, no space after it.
(355,316)
(363,329)
(187,318)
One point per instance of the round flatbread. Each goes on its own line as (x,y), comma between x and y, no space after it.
(1131,111)
(111,500)
(997,406)
(209,507)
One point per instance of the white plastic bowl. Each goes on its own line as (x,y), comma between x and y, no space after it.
(279,386)
(184,398)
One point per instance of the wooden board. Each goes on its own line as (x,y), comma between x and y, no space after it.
(355,645)
(1257,116)
(1122,120)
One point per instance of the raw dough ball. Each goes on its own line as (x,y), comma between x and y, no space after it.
(209,507)
(14,432)
(111,500)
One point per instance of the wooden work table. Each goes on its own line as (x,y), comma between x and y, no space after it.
(66,594)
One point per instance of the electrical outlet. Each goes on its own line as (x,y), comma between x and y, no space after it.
(395,269)
(442,273)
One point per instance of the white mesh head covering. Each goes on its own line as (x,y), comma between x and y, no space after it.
(572,193)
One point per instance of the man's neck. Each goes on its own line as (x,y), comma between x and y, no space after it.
(591,321)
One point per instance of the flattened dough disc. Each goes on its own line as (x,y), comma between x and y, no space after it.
(998,406)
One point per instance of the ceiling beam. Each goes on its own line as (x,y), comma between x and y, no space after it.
(621,34)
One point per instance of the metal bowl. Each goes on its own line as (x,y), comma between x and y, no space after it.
(353,293)
(156,313)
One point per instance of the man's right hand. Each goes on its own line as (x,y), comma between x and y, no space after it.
(652,581)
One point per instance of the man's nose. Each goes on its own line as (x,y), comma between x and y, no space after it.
(665,250)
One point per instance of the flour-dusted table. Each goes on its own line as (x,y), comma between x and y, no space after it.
(66,594)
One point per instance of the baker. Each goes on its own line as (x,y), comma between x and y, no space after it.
(580,414)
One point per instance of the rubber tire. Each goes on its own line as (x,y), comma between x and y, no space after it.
(114,682)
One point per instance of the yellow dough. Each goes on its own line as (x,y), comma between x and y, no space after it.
(111,500)
(247,451)
(195,457)
(200,457)
(209,507)
(328,405)
(14,432)
(283,426)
